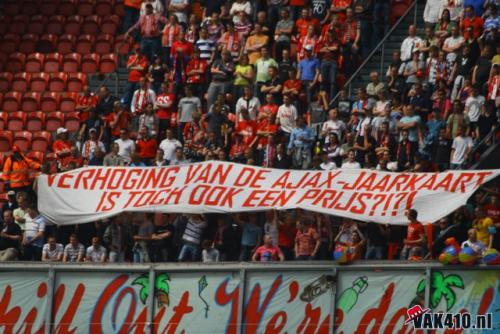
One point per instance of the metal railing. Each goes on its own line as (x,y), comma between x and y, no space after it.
(380,47)
(108,77)
(488,141)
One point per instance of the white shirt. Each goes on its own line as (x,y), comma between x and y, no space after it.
(351,165)
(140,99)
(240,7)
(328,165)
(94,254)
(473,107)
(287,116)
(168,146)
(408,45)
(338,127)
(460,145)
(432,11)
(89,147)
(126,148)
(454,6)
(251,105)
(53,254)
(157,7)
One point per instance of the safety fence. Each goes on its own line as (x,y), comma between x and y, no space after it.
(233,298)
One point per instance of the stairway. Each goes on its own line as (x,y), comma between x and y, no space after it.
(393,43)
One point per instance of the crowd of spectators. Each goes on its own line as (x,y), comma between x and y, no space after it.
(254,83)
(264,236)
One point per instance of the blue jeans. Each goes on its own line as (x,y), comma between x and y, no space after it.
(380,21)
(374,253)
(189,252)
(328,71)
(151,47)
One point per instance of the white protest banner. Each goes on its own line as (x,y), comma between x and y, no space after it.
(92,193)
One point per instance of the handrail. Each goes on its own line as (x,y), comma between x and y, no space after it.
(491,135)
(376,49)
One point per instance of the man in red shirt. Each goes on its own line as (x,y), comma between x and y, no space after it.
(247,128)
(292,86)
(85,103)
(329,52)
(146,145)
(196,73)
(150,27)
(302,24)
(349,39)
(117,120)
(414,235)
(137,65)
(270,108)
(62,146)
(307,241)
(471,20)
(165,107)
(268,252)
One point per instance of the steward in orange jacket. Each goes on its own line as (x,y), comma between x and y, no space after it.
(17,171)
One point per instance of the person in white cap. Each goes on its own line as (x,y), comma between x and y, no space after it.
(89,146)
(62,146)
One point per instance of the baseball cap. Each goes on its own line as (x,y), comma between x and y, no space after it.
(308,48)
(61,130)
(93,130)
(11,193)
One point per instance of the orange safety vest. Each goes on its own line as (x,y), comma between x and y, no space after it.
(133,3)
(18,173)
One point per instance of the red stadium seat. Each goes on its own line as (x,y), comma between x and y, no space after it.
(11,8)
(16,121)
(19,25)
(34,63)
(53,121)
(108,63)
(90,63)
(22,139)
(41,141)
(21,82)
(53,62)
(49,102)
(91,25)
(66,44)
(5,81)
(37,24)
(85,7)
(55,25)
(30,101)
(47,43)
(9,43)
(36,121)
(49,7)
(3,60)
(67,7)
(104,7)
(1,100)
(73,25)
(16,62)
(84,44)
(39,82)
(109,25)
(3,120)
(4,24)
(30,7)
(58,81)
(72,122)
(6,139)
(36,156)
(28,43)
(11,101)
(103,44)
(76,81)
(68,102)
(72,62)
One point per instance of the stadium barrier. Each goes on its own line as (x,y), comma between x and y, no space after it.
(235,298)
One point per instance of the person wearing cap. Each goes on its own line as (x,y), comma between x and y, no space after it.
(309,72)
(89,146)
(11,203)
(17,170)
